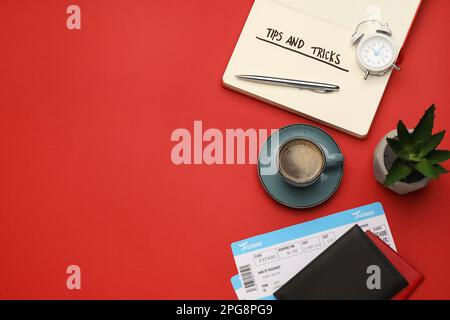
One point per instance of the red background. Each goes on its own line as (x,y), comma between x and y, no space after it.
(86,176)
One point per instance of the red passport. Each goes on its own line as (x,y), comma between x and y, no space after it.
(411,275)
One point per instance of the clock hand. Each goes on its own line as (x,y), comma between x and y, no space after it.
(379,49)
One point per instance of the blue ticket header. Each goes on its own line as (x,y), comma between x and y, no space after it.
(307,228)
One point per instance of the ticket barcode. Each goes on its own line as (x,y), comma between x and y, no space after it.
(248,281)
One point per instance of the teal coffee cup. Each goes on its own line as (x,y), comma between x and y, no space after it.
(302,161)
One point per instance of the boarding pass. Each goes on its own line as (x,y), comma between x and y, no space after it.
(267,261)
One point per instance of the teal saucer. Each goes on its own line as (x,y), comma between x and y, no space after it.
(278,189)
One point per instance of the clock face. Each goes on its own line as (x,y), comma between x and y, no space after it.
(377,53)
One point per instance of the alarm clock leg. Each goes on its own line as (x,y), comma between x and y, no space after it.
(396,67)
(366,75)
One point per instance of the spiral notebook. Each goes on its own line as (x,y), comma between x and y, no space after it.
(310,40)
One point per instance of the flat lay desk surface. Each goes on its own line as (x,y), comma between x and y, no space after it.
(86,174)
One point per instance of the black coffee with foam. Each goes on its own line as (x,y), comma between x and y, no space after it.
(301,160)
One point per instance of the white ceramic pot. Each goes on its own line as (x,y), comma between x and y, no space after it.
(380,171)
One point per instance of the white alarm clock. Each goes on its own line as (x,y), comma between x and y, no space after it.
(376,53)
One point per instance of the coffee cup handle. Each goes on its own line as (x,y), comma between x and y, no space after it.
(334,159)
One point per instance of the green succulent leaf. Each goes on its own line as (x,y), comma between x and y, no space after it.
(438,156)
(424,128)
(398,171)
(403,133)
(426,168)
(431,143)
(439,169)
(411,154)
(395,145)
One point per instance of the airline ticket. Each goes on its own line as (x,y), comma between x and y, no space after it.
(265,262)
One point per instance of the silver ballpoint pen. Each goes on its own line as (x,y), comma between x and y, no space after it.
(309,85)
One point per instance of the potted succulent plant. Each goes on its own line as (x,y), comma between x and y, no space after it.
(406,160)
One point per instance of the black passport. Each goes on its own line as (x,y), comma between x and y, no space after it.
(344,271)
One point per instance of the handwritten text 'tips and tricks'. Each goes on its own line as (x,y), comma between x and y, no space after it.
(299,44)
